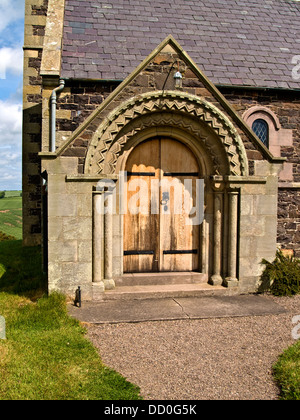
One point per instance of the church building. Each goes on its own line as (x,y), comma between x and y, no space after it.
(161,143)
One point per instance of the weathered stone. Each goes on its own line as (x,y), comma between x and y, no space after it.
(98,123)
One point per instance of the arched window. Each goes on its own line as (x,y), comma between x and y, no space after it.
(261,129)
(266,125)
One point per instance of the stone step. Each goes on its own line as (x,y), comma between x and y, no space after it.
(148,279)
(167,291)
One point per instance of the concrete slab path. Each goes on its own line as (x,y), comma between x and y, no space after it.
(125,311)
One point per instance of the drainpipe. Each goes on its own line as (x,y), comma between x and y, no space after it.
(53,97)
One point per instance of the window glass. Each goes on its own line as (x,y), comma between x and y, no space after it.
(261,129)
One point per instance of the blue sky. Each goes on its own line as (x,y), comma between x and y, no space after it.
(11,74)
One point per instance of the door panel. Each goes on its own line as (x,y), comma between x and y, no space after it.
(158,237)
(179,242)
(140,229)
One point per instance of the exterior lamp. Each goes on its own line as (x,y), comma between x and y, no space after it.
(178,80)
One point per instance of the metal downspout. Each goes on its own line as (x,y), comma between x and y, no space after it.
(53,102)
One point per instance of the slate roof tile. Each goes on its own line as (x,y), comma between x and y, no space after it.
(234,42)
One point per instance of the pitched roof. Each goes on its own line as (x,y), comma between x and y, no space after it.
(235,42)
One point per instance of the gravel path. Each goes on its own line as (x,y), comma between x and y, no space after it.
(208,359)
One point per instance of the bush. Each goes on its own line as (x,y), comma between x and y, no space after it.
(4,237)
(21,269)
(282,276)
(2,194)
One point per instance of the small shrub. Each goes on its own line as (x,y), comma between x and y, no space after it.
(282,276)
(2,194)
(5,237)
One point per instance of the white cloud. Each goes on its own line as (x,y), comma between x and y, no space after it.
(11,66)
(10,170)
(10,145)
(11,61)
(10,123)
(10,11)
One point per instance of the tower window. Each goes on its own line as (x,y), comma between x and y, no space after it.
(261,129)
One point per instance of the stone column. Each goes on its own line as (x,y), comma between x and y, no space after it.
(108,241)
(98,230)
(216,278)
(231,280)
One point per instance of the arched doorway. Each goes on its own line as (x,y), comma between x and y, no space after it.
(160,230)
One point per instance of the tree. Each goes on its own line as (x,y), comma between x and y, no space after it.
(2,194)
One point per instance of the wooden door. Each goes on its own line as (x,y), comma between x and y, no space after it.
(141,226)
(157,235)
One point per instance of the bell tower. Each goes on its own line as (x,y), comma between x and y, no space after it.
(35,22)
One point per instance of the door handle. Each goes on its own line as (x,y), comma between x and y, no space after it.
(165,200)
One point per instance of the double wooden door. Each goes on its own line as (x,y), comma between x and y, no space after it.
(161,185)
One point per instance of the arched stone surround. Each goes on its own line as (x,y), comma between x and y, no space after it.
(215,143)
(239,229)
(172,109)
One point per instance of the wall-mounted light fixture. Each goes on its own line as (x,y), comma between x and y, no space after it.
(178,80)
(178,77)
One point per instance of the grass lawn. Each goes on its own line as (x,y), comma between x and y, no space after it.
(46,355)
(14,193)
(11,216)
(287,373)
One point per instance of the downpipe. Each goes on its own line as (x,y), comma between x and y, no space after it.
(53,102)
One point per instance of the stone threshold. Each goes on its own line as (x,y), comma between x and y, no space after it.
(161,278)
(163,291)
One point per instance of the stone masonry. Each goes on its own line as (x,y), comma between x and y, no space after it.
(35,22)
(115,94)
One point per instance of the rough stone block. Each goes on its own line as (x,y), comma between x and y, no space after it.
(246,205)
(266,205)
(252,226)
(85,205)
(251,267)
(55,228)
(54,276)
(77,274)
(63,251)
(56,184)
(85,253)
(63,165)
(75,228)
(61,205)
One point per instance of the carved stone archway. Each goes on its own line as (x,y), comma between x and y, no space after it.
(173,109)
(200,125)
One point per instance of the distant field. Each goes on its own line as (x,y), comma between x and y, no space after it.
(11,214)
(9,194)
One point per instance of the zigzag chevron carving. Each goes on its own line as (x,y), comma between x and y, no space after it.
(178,109)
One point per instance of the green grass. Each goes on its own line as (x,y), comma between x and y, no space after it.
(14,193)
(287,373)
(46,355)
(11,216)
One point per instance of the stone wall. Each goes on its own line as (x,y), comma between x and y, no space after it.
(74,105)
(284,104)
(258,224)
(289,219)
(35,21)
(80,99)
(69,229)
(158,75)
